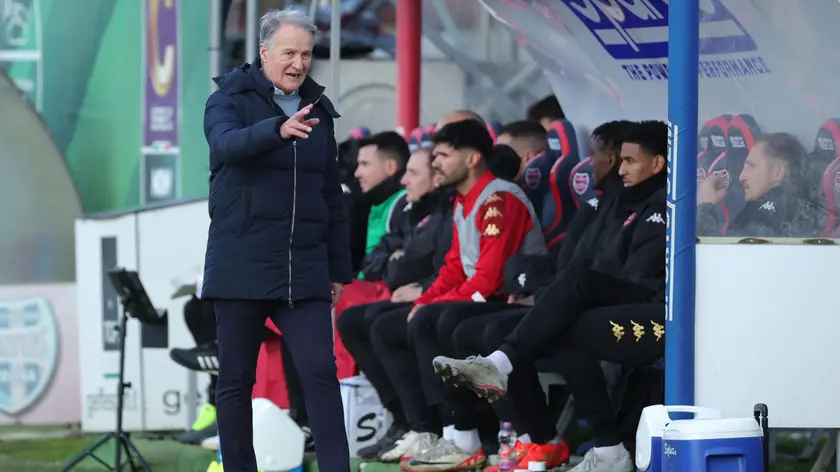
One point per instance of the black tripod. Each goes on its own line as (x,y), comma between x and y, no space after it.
(135,302)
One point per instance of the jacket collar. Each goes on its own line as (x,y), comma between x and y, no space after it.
(250,77)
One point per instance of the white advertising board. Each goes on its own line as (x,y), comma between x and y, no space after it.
(766,332)
(170,248)
(102,244)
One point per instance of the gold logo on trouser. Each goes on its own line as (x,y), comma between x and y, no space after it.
(638,330)
(618,331)
(658,330)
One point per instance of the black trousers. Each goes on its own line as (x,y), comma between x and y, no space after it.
(354,326)
(628,335)
(307,329)
(201,321)
(389,337)
(525,404)
(430,332)
(561,306)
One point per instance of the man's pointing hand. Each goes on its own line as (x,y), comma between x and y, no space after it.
(297,125)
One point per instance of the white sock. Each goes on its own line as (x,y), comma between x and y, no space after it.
(613,452)
(525,439)
(449,432)
(467,441)
(501,361)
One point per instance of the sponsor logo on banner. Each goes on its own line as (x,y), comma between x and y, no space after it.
(533,177)
(554,144)
(580,182)
(737,141)
(837,182)
(718,141)
(162,106)
(20,46)
(636,33)
(28,352)
(107,402)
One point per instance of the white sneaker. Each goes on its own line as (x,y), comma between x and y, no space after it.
(594,462)
(211,443)
(411,444)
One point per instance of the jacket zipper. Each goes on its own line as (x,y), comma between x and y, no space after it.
(292,232)
(294,210)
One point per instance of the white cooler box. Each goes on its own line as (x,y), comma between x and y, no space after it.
(364,418)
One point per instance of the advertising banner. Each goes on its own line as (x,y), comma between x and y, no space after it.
(21,44)
(609,60)
(39,364)
(162,106)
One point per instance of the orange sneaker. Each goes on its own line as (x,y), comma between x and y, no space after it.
(554,455)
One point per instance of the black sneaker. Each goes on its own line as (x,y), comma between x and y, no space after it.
(196,437)
(308,442)
(204,358)
(387,442)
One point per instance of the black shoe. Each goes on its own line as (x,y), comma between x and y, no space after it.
(387,442)
(196,437)
(308,441)
(204,358)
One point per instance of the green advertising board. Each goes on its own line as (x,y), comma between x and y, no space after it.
(88,69)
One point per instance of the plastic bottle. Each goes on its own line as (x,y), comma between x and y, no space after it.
(507,448)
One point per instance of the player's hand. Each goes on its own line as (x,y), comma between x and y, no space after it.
(407,293)
(297,125)
(337,290)
(712,189)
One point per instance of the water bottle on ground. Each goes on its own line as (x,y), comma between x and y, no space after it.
(507,448)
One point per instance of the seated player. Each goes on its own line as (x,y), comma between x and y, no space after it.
(546,111)
(407,275)
(627,268)
(527,408)
(527,138)
(504,162)
(778,201)
(493,220)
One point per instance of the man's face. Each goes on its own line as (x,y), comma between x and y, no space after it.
(418,179)
(372,169)
(286,61)
(760,173)
(451,163)
(603,159)
(522,149)
(637,165)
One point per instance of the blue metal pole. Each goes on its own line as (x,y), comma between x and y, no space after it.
(683,58)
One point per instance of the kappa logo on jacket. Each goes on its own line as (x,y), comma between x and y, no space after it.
(768,206)
(656,218)
(593,202)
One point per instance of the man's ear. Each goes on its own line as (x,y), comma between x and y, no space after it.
(263,53)
(660,163)
(391,167)
(473,159)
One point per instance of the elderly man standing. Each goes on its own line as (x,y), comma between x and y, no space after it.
(278,244)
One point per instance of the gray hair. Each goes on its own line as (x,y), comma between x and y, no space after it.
(274,19)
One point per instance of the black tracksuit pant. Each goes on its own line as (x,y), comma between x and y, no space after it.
(430,333)
(354,326)
(421,393)
(201,321)
(525,404)
(561,306)
(308,330)
(628,335)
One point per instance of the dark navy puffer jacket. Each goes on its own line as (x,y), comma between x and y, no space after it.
(277,227)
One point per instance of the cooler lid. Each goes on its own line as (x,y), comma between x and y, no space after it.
(712,429)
